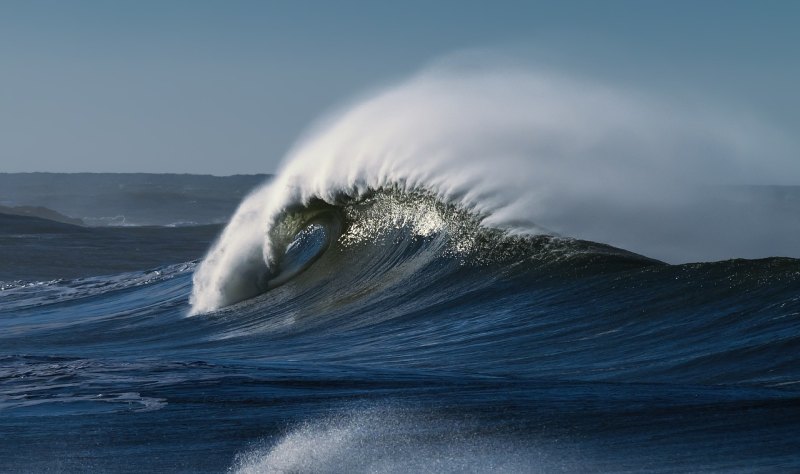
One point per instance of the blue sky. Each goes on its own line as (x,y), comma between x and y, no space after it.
(226,87)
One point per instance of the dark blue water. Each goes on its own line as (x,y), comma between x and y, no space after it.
(390,350)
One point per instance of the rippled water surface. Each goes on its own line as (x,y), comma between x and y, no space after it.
(394,334)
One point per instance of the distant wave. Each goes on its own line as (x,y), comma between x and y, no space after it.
(523,152)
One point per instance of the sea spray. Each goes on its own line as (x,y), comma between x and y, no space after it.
(526,152)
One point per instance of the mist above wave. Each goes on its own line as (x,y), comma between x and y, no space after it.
(526,152)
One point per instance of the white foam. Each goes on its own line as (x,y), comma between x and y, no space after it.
(391,440)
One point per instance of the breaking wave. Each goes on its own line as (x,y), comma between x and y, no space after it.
(520,152)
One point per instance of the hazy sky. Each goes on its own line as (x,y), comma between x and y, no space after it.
(226,87)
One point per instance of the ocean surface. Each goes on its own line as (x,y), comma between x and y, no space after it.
(400,335)
(465,272)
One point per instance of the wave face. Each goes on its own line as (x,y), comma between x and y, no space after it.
(522,152)
(399,238)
